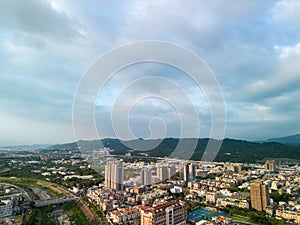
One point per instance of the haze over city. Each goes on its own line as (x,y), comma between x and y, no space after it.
(252,48)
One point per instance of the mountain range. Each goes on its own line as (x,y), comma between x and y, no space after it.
(231,150)
(291,140)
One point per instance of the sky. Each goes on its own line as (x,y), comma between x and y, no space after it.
(251,46)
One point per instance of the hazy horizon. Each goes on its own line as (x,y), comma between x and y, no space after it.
(29,144)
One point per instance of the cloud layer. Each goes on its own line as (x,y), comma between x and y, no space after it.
(252,47)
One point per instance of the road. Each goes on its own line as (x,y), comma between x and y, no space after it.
(19,188)
(92,217)
(68,195)
(25,194)
(89,213)
(54,201)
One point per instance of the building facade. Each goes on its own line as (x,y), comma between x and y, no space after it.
(114,175)
(125,216)
(270,165)
(146,176)
(189,172)
(259,194)
(162,172)
(168,213)
(6,208)
(234,168)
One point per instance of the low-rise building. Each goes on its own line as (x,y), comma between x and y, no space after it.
(125,216)
(173,212)
(288,213)
(6,208)
(225,202)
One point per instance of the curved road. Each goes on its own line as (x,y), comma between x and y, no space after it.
(89,213)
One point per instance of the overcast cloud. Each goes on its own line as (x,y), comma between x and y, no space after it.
(252,47)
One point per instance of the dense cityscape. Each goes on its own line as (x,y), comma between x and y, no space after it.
(130,191)
(149,112)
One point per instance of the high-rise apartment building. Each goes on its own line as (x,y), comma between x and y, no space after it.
(165,172)
(169,213)
(162,172)
(270,165)
(259,194)
(171,171)
(189,172)
(114,175)
(146,176)
(234,168)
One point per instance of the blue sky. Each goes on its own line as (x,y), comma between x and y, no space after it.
(252,47)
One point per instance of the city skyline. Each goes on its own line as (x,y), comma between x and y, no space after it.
(150,112)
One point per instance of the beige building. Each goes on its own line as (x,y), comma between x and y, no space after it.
(234,168)
(211,197)
(259,194)
(165,172)
(168,213)
(125,216)
(225,202)
(292,215)
(162,172)
(270,165)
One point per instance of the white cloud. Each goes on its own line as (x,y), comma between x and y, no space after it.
(290,51)
(192,23)
(287,11)
(284,79)
(37,17)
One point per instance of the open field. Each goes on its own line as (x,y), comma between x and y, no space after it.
(36,190)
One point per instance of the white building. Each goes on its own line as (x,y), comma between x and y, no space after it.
(212,197)
(176,190)
(114,175)
(146,176)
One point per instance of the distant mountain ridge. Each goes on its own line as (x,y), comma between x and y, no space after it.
(231,150)
(291,140)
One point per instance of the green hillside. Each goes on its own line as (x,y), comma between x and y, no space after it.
(231,150)
(291,140)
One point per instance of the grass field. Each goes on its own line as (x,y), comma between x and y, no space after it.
(27,184)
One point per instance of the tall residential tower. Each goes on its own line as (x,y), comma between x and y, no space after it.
(146,176)
(270,165)
(259,193)
(189,172)
(114,175)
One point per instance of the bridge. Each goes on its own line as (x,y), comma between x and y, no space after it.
(54,201)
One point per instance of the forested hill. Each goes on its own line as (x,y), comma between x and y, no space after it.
(231,150)
(290,140)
